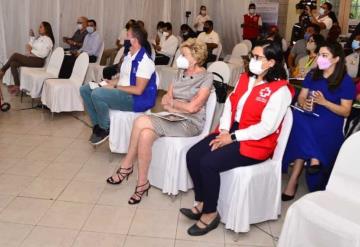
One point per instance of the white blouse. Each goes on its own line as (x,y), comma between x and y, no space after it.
(271,117)
(41,46)
(200,20)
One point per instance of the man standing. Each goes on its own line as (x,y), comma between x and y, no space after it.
(323,20)
(252,24)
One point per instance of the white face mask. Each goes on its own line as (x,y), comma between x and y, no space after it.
(79,26)
(255,66)
(252,11)
(90,29)
(182,62)
(321,11)
(166,34)
(159,32)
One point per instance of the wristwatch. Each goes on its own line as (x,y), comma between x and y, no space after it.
(233,137)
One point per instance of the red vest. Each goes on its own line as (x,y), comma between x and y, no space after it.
(251,114)
(251,26)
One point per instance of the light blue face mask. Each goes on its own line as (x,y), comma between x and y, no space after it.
(355,44)
(90,29)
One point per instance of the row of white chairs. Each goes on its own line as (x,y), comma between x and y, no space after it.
(248,195)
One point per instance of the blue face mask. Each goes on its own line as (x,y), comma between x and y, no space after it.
(90,29)
(127,45)
(355,44)
(307,36)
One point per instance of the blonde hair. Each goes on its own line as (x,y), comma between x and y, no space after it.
(198,50)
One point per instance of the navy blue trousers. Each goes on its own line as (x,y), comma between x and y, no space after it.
(205,167)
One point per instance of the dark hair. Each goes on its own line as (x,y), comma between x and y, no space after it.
(141,35)
(202,7)
(129,24)
(252,5)
(141,23)
(210,23)
(185,27)
(319,41)
(340,69)
(272,51)
(93,21)
(315,27)
(48,30)
(160,25)
(168,26)
(328,5)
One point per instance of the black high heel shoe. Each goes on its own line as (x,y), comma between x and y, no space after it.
(285,197)
(121,175)
(313,169)
(133,200)
(190,214)
(197,231)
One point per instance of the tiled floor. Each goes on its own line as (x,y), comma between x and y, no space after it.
(53,193)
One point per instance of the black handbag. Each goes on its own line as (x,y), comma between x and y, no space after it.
(220,88)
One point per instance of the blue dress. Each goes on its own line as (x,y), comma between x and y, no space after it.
(318,137)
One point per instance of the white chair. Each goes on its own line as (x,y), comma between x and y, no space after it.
(238,52)
(251,194)
(222,69)
(93,68)
(32,79)
(247,43)
(167,74)
(330,217)
(121,123)
(63,95)
(168,170)
(218,51)
(119,54)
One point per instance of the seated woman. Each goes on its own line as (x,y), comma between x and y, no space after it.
(135,89)
(308,62)
(36,52)
(187,95)
(328,92)
(247,135)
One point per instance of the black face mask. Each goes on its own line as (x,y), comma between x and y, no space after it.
(206,29)
(127,46)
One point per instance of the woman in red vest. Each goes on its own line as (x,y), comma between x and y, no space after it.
(247,134)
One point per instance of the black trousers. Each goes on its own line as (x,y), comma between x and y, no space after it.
(161,59)
(205,167)
(68,65)
(110,71)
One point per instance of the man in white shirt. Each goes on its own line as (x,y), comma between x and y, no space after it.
(110,54)
(165,51)
(323,19)
(126,93)
(211,39)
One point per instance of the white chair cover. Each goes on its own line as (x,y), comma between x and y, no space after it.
(121,123)
(61,95)
(252,194)
(93,70)
(330,217)
(32,79)
(168,169)
(248,44)
(168,74)
(218,51)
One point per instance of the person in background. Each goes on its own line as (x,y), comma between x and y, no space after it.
(76,41)
(211,39)
(348,46)
(323,19)
(37,50)
(247,135)
(187,95)
(134,91)
(308,63)
(167,47)
(201,19)
(252,24)
(299,49)
(110,54)
(186,32)
(317,132)
(92,45)
(159,32)
(334,33)
(274,35)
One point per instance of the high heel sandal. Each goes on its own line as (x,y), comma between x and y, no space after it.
(121,175)
(133,200)
(313,169)
(285,197)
